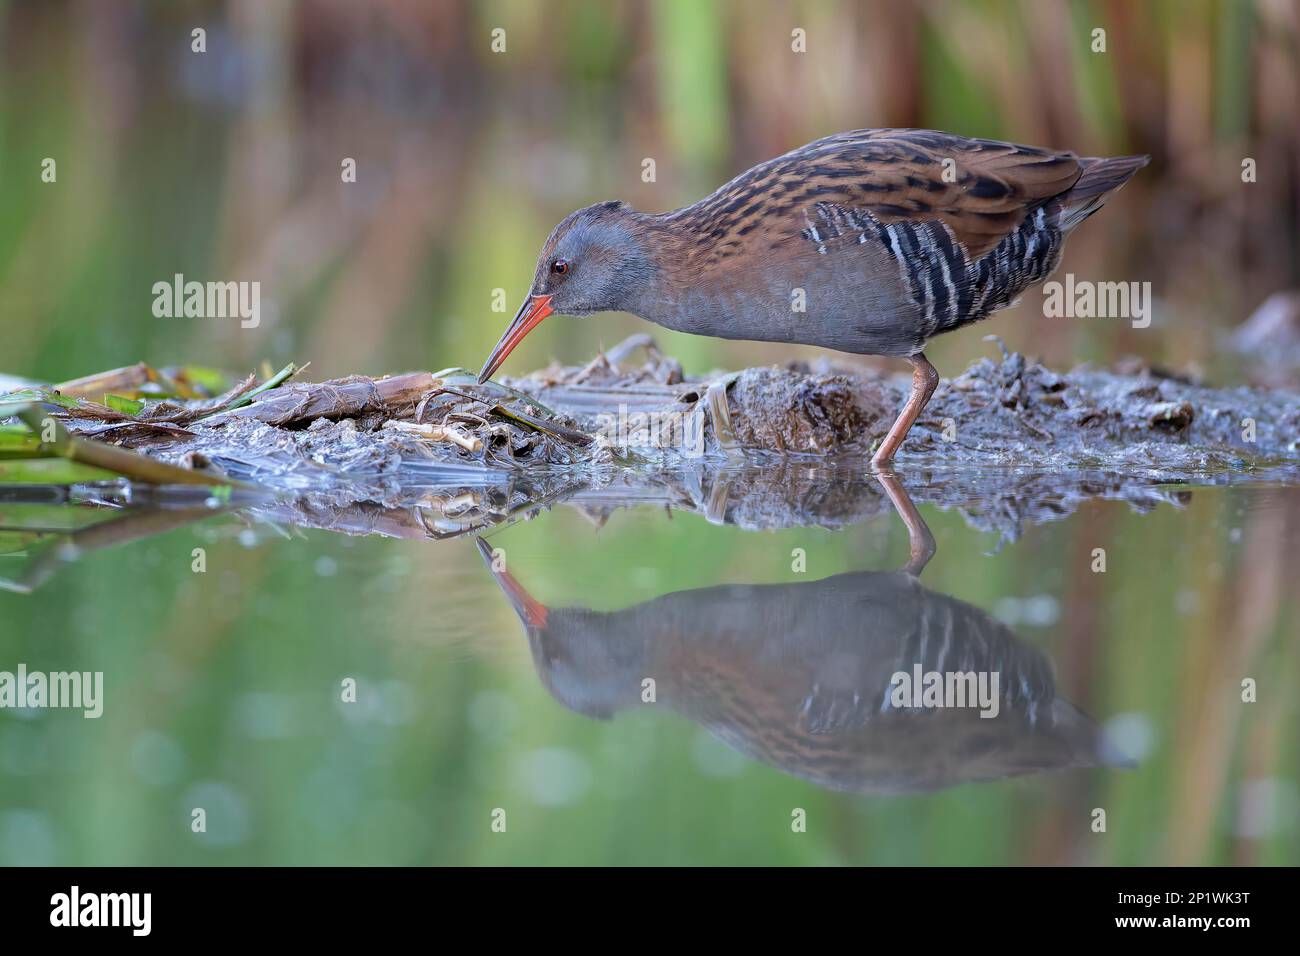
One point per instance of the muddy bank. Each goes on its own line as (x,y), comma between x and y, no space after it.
(615,419)
(1011,412)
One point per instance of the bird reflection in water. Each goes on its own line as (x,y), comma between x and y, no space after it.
(799,676)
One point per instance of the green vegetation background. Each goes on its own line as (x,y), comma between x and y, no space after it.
(225,165)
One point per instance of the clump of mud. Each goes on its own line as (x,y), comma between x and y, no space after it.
(781,411)
(1014,412)
(785,411)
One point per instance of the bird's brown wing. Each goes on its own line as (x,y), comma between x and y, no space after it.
(980,189)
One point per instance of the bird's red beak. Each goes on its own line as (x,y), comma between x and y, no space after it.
(534,309)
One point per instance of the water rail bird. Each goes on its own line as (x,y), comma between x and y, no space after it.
(870,242)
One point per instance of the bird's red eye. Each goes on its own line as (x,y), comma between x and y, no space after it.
(560,266)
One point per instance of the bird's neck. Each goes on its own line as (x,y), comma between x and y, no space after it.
(676,265)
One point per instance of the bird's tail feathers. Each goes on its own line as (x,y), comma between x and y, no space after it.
(1100,178)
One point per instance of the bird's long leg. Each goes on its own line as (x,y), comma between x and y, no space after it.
(924,380)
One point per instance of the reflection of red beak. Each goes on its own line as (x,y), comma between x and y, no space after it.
(534,309)
(530,610)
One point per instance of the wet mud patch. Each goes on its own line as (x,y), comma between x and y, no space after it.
(389,440)
(1013,412)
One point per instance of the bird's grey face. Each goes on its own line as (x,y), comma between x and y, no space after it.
(592,262)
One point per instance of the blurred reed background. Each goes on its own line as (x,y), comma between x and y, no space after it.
(226,165)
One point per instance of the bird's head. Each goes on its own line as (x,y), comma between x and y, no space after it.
(593,261)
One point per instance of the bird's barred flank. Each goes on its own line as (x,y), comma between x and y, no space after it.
(1028,255)
(950,290)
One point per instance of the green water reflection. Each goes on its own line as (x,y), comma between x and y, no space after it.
(224,692)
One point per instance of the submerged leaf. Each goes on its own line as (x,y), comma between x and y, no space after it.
(43,516)
(51,471)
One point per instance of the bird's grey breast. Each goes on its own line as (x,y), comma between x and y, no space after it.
(783,286)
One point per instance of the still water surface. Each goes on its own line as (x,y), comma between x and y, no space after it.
(506,679)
